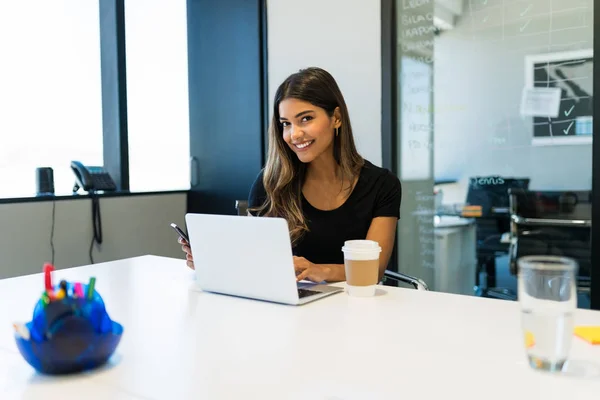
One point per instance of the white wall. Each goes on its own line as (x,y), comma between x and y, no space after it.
(131,226)
(342,37)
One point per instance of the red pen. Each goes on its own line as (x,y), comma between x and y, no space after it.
(48,268)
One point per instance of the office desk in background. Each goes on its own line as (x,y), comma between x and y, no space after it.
(183,344)
(455,255)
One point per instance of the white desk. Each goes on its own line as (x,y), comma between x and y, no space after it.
(180,344)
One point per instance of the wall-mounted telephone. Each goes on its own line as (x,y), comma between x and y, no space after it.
(91,179)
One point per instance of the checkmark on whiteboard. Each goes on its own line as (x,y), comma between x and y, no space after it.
(567,113)
(526,10)
(522,28)
(566,131)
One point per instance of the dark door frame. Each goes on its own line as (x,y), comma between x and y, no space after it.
(388,100)
(595,240)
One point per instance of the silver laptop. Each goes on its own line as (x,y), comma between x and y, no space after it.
(248,257)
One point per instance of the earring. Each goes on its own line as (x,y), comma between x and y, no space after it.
(337,131)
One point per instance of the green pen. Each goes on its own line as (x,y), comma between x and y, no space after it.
(90,288)
(45,299)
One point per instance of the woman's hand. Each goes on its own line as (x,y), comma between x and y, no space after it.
(185,246)
(312,272)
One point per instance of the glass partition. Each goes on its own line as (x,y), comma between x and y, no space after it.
(494,139)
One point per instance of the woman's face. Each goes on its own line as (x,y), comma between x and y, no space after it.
(307,129)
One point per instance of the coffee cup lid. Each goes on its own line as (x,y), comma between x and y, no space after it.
(361,246)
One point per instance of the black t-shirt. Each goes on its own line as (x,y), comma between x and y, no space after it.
(377,193)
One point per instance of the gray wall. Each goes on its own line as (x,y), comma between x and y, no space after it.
(132,226)
(479,77)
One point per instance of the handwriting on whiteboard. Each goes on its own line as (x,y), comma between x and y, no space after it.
(424,213)
(418,144)
(410,4)
(418,31)
(416,19)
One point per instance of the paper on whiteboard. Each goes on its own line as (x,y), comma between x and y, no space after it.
(540,102)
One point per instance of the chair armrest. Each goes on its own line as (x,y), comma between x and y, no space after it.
(418,284)
(551,222)
(242,207)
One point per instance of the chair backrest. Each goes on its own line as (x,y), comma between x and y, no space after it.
(241,207)
(491,193)
(551,223)
(556,205)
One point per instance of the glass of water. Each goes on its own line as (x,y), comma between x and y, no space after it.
(548,300)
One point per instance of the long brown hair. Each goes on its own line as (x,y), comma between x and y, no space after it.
(284,173)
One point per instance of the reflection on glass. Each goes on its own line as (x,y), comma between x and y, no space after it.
(494,97)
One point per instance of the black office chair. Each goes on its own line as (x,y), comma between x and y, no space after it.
(491,194)
(242,209)
(552,223)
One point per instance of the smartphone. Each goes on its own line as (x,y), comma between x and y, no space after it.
(180,232)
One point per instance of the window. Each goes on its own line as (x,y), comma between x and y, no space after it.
(157,94)
(51,91)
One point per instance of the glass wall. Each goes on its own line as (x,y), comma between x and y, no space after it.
(494,149)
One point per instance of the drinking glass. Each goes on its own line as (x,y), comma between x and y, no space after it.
(548,300)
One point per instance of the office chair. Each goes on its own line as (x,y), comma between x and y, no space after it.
(417,283)
(491,194)
(242,209)
(552,223)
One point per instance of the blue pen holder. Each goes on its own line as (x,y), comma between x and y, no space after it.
(69,335)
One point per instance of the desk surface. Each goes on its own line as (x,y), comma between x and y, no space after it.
(182,344)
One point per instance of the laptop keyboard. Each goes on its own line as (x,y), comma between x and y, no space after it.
(307,292)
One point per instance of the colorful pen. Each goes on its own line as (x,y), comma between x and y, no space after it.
(90,288)
(78,290)
(45,299)
(60,294)
(48,268)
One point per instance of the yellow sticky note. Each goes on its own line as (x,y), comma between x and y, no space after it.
(471,211)
(529,340)
(590,334)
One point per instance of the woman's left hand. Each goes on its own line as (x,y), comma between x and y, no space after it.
(312,272)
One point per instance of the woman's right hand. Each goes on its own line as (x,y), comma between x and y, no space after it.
(185,246)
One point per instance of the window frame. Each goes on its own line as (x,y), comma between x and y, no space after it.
(114,106)
(114,91)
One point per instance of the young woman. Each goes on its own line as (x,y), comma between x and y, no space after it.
(316,180)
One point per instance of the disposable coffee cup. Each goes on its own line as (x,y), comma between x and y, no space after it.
(361,262)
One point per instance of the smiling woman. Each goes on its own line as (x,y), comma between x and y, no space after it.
(316,179)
